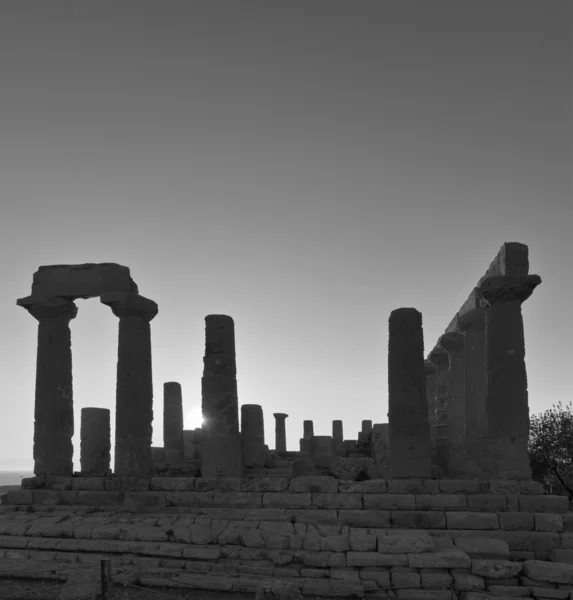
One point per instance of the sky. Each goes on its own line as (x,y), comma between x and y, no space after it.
(305,167)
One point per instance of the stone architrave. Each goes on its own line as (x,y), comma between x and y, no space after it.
(221,447)
(95,441)
(172,421)
(321,450)
(472,324)
(507,401)
(253,435)
(337,437)
(54,406)
(440,436)
(453,344)
(408,408)
(134,394)
(307,433)
(280,431)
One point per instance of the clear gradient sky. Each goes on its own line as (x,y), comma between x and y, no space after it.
(303,166)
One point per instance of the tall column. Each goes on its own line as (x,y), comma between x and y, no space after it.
(472,324)
(95,444)
(408,407)
(507,402)
(221,450)
(307,433)
(253,435)
(441,436)
(431,389)
(54,406)
(453,343)
(172,421)
(337,437)
(280,431)
(134,392)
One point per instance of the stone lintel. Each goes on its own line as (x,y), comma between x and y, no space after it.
(506,288)
(87,280)
(130,305)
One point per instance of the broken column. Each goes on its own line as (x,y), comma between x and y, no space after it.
(172,421)
(54,407)
(95,441)
(221,450)
(321,450)
(380,441)
(337,438)
(307,433)
(453,343)
(407,406)
(253,435)
(507,401)
(134,392)
(363,441)
(280,431)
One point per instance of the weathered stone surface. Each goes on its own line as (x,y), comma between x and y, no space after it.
(543,504)
(481,547)
(95,444)
(495,569)
(345,468)
(253,435)
(405,542)
(448,558)
(407,405)
(322,450)
(272,589)
(380,443)
(547,571)
(472,520)
(172,416)
(375,559)
(314,484)
(134,398)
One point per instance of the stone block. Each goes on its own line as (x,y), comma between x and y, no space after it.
(389,501)
(88,483)
(543,504)
(404,579)
(441,502)
(404,542)
(540,592)
(362,541)
(335,543)
(462,486)
(321,559)
(436,579)
(423,594)
(487,502)
(314,484)
(528,486)
(315,573)
(472,520)
(238,499)
(137,500)
(286,500)
(547,571)
(412,519)
(482,547)
(448,558)
(516,521)
(508,591)
(202,499)
(223,484)
(265,484)
(375,559)
(548,522)
(408,486)
(94,498)
(381,576)
(521,541)
(172,484)
(504,487)
(332,589)
(345,468)
(560,556)
(372,486)
(466,581)
(344,574)
(19,497)
(365,518)
(337,501)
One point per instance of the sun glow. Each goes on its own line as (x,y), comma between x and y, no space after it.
(193,418)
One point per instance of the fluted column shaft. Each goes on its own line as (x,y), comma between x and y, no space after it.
(172,420)
(134,391)
(54,406)
(253,435)
(280,431)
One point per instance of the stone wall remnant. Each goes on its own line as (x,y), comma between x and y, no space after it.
(337,437)
(95,441)
(408,407)
(134,393)
(221,448)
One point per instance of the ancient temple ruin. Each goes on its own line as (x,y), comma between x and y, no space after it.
(436,503)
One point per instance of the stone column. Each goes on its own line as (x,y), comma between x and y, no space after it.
(472,324)
(507,402)
(441,436)
(431,391)
(453,344)
(253,435)
(380,443)
(134,394)
(408,407)
(337,437)
(192,443)
(54,406)
(321,450)
(307,433)
(95,444)
(366,426)
(172,421)
(280,431)
(221,448)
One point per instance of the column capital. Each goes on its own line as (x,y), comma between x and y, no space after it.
(504,288)
(130,305)
(473,320)
(58,309)
(279,416)
(429,368)
(452,342)
(439,357)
